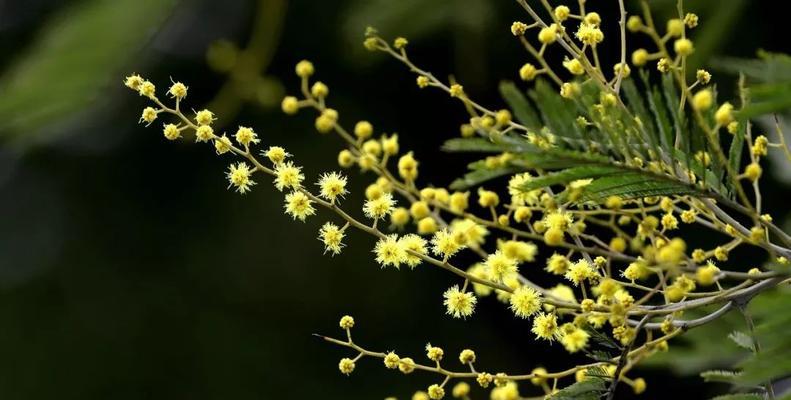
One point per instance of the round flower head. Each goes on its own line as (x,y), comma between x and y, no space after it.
(580,271)
(525,302)
(204,117)
(287,175)
(460,304)
(239,176)
(434,353)
(468,232)
(346,322)
(332,237)
(545,326)
(222,144)
(276,154)
(133,81)
(171,132)
(148,115)
(304,69)
(436,392)
(245,136)
(389,251)
(574,339)
(499,266)
(178,91)
(332,186)
(379,207)
(346,366)
(391,360)
(204,133)
(444,244)
(299,205)
(406,365)
(289,105)
(147,89)
(414,243)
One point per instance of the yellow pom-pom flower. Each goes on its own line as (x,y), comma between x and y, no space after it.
(459,304)
(525,301)
(239,177)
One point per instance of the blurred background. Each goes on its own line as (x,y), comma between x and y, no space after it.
(128,271)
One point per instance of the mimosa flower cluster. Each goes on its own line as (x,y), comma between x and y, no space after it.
(623,268)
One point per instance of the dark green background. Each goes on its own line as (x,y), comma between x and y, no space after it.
(128,271)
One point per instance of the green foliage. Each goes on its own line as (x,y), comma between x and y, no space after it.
(769,78)
(604,146)
(591,388)
(66,70)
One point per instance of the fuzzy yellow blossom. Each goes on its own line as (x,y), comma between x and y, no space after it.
(148,115)
(204,117)
(276,154)
(518,28)
(634,23)
(675,27)
(406,365)
(171,132)
(346,322)
(461,389)
(407,167)
(518,250)
(325,122)
(639,57)
(178,91)
(558,220)
(363,130)
(487,198)
(574,66)
(707,275)
(528,72)
(753,171)
(688,216)
(570,90)
(434,353)
(724,114)
(760,146)
(422,81)
(589,34)
(669,221)
(467,356)
(399,217)
(391,360)
(346,365)
(664,65)
(484,379)
(204,133)
(444,244)
(222,144)
(622,69)
(246,136)
(427,226)
(574,339)
(332,186)
(413,244)
(459,201)
(389,251)
(561,13)
(545,326)
(380,207)
(525,302)
(703,76)
(304,69)
(400,43)
(702,100)
(147,89)
(459,304)
(548,35)
(557,264)
(456,90)
(580,271)
(239,177)
(133,81)
(332,237)
(618,244)
(436,392)
(289,105)
(499,266)
(287,175)
(299,205)
(683,47)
